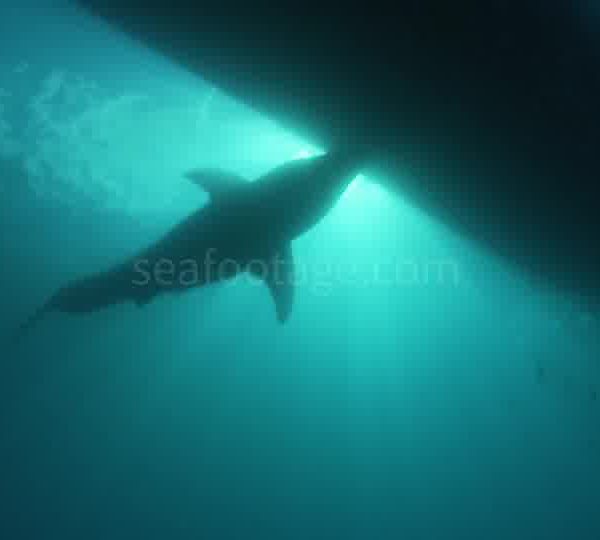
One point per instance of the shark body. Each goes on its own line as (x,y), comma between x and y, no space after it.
(246,227)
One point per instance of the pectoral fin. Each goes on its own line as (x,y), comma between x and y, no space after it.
(215,182)
(280,280)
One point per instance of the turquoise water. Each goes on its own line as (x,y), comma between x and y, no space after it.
(421,389)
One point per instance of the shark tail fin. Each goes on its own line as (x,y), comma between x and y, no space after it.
(25,328)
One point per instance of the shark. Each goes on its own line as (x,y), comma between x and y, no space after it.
(246,227)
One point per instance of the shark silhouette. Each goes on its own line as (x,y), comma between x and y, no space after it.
(246,227)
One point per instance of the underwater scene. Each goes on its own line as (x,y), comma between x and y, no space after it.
(418,386)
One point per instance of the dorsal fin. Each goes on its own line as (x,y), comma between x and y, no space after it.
(216,182)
